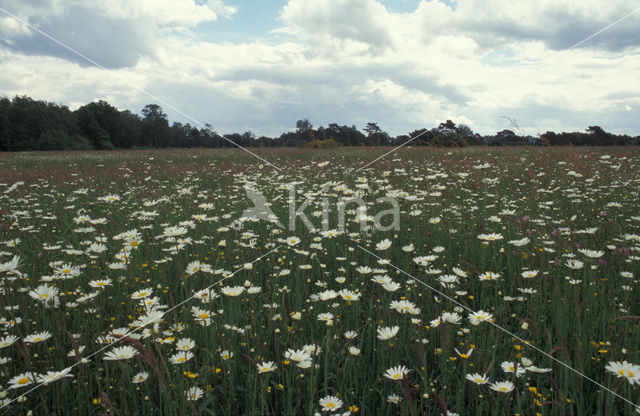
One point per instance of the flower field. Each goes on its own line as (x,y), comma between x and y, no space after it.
(136,283)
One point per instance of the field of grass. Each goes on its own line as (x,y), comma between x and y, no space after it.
(518,255)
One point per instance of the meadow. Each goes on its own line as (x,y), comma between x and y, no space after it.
(133,283)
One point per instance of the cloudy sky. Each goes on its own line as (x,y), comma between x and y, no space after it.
(405,64)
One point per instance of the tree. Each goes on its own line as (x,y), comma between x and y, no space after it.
(155,126)
(303,126)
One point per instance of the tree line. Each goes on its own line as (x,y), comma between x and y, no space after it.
(27,124)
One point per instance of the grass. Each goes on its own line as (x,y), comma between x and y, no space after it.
(561,200)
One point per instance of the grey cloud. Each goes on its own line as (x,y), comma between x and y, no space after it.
(558,30)
(113,43)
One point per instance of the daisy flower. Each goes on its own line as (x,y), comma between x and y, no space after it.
(477,378)
(7,341)
(140,377)
(529,274)
(181,357)
(52,376)
(383,245)
(194,393)
(120,353)
(21,380)
(141,294)
(502,386)
(397,373)
(394,398)
(574,264)
(44,292)
(489,276)
(330,403)
(481,316)
(385,333)
(266,367)
(490,237)
(624,369)
(594,254)
(185,344)
(37,337)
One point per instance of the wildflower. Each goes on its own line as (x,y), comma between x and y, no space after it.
(385,333)
(120,353)
(624,369)
(297,355)
(594,254)
(502,386)
(394,398)
(266,367)
(391,286)
(7,341)
(354,350)
(529,274)
(292,241)
(490,237)
(489,276)
(21,380)
(350,334)
(185,344)
(477,378)
(404,306)
(52,376)
(37,337)
(519,243)
(464,355)
(481,316)
(141,294)
(349,295)
(397,373)
(383,245)
(330,403)
(100,283)
(511,367)
(140,377)
(232,291)
(67,271)
(194,393)
(326,316)
(44,293)
(574,264)
(181,357)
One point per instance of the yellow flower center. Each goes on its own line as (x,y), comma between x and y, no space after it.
(65,271)
(181,359)
(44,296)
(24,380)
(331,405)
(37,339)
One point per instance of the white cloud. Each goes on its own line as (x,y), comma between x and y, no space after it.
(341,61)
